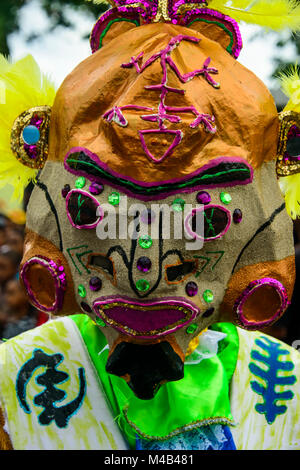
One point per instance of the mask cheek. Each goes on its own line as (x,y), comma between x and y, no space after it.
(45,283)
(258,295)
(46,277)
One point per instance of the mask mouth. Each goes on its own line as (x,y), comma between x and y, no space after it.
(145,367)
(147,319)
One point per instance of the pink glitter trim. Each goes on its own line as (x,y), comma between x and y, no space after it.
(162,115)
(57,273)
(253,286)
(84,193)
(163,194)
(202,209)
(129,13)
(176,301)
(176,5)
(115,114)
(176,141)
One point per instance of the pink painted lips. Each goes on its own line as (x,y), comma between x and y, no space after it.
(153,318)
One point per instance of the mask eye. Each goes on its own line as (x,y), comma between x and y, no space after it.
(178,272)
(215,223)
(83,210)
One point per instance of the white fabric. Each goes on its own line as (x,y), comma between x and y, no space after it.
(91,427)
(207,347)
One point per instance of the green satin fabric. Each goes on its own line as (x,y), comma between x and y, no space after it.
(201,397)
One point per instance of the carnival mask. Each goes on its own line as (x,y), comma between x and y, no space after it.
(157,210)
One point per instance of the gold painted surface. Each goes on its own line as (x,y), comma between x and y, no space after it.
(246,116)
(288,167)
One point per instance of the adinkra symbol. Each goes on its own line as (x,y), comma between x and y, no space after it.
(51,394)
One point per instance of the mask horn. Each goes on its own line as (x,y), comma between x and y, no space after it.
(288,157)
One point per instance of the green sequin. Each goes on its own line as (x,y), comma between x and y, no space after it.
(225,198)
(208,296)
(81,291)
(80,182)
(142,285)
(145,242)
(191,328)
(178,204)
(100,322)
(114,198)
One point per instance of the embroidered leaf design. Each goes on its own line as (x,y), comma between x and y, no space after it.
(272,365)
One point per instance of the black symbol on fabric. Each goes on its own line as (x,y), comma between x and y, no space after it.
(51,394)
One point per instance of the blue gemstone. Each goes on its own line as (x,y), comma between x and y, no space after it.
(31,135)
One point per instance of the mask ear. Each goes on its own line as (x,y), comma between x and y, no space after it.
(23,134)
(216,26)
(288,159)
(111,24)
(30,136)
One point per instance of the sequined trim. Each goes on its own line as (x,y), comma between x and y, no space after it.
(228,24)
(32,156)
(187,427)
(181,12)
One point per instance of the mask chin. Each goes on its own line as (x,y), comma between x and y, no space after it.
(145,367)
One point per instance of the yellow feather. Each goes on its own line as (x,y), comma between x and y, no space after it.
(290,188)
(22,86)
(290,84)
(271,14)
(100,2)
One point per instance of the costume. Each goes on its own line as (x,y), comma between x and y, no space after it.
(160,123)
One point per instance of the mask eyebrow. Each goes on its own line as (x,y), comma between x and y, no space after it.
(227,171)
(220,172)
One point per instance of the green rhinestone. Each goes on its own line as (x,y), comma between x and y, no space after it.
(114,198)
(80,182)
(225,198)
(81,291)
(142,285)
(100,322)
(178,204)
(192,328)
(208,296)
(145,242)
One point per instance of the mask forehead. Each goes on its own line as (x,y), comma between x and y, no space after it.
(119,112)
